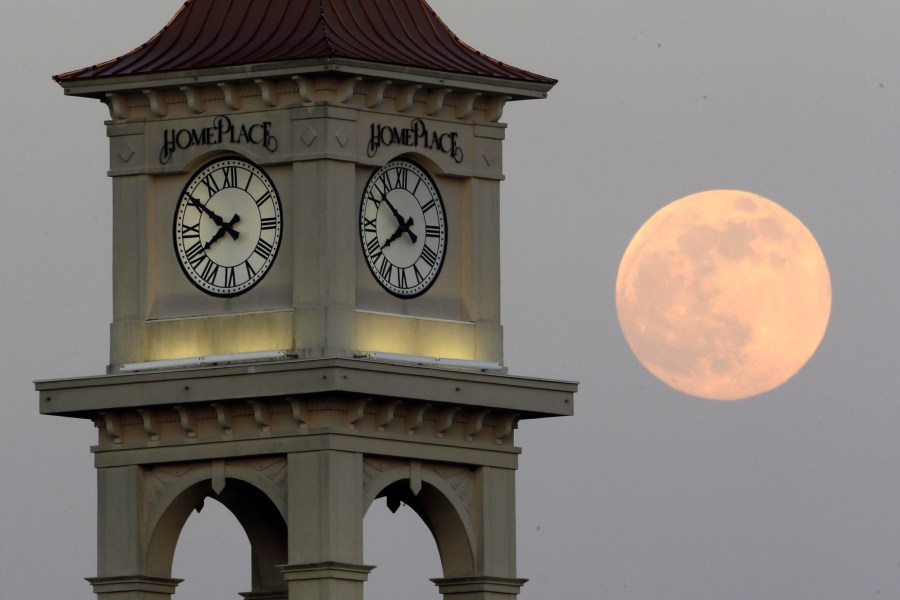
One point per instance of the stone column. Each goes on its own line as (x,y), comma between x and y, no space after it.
(325,526)
(494,516)
(121,562)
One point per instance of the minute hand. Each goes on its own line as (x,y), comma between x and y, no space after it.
(404,225)
(215,218)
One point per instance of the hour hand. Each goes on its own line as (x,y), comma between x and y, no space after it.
(222,229)
(216,218)
(403,227)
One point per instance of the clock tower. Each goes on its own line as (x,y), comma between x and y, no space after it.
(306,295)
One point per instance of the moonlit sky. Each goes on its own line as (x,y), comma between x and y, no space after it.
(646,493)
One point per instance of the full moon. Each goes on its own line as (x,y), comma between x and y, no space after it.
(723,295)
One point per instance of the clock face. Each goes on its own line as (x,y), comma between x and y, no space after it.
(403,228)
(228,227)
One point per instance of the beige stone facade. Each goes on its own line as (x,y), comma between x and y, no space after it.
(298,444)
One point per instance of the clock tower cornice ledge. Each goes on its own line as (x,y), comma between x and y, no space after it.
(303,405)
(279,85)
(86,396)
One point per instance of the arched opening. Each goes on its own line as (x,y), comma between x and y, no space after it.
(212,555)
(261,522)
(404,553)
(401,548)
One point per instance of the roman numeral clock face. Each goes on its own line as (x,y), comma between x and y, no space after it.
(403,228)
(228,227)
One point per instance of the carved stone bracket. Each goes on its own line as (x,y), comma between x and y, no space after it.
(158,102)
(188,422)
(223,416)
(405,96)
(355,411)
(274,92)
(232,95)
(268,90)
(344,90)
(194,98)
(261,413)
(151,422)
(466,104)
(435,101)
(494,108)
(418,417)
(278,417)
(305,88)
(375,93)
(113,427)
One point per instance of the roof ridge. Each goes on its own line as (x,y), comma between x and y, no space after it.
(324,23)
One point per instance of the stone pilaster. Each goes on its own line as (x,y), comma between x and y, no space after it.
(135,587)
(326,581)
(479,588)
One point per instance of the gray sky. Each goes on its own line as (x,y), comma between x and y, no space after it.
(646,493)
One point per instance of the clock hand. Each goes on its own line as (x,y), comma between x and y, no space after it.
(215,218)
(403,227)
(222,229)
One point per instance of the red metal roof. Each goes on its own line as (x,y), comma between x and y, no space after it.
(226,33)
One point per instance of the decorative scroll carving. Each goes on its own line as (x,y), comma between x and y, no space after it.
(113,426)
(261,413)
(355,411)
(466,104)
(268,90)
(194,98)
(151,422)
(232,93)
(386,414)
(299,412)
(158,103)
(187,419)
(504,426)
(305,88)
(223,416)
(475,424)
(405,96)
(375,93)
(444,420)
(416,417)
(435,101)
(118,105)
(345,89)
(493,109)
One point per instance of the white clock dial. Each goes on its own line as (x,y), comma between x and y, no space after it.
(403,228)
(227,227)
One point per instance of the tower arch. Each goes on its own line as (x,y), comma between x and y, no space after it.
(249,498)
(443,510)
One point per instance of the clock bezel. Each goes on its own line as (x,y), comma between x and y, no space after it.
(433,272)
(194,181)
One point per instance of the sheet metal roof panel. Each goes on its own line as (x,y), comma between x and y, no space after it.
(225,33)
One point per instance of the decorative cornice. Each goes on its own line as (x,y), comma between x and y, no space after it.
(184,100)
(163,425)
